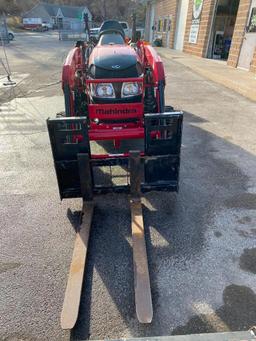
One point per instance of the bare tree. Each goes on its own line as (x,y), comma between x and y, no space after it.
(101,9)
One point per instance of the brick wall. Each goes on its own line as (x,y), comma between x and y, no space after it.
(165,8)
(241,21)
(200,48)
(253,64)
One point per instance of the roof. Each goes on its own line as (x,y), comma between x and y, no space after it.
(42,9)
(38,11)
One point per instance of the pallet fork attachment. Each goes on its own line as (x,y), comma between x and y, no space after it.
(143,299)
(156,169)
(71,303)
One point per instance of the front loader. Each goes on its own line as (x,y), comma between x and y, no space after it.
(114,91)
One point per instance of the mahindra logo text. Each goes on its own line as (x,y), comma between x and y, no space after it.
(115,111)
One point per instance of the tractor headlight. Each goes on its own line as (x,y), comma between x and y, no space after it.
(131,89)
(103,90)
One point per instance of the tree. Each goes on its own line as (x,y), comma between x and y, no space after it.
(101,9)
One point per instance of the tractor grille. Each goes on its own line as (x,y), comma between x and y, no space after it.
(134,99)
(100,73)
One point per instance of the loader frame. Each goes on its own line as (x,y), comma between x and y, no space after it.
(159,162)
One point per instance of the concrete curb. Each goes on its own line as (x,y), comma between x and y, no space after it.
(228,336)
(243,82)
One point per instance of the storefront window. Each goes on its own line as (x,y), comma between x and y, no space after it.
(160,25)
(252,23)
(165,25)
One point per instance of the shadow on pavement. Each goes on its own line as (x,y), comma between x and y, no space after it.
(206,182)
(237,313)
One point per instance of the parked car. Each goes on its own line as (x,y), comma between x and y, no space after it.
(126,28)
(44,27)
(94,32)
(47,25)
(6,34)
(10,34)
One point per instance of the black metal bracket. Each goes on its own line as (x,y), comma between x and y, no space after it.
(85,175)
(163,133)
(135,174)
(157,170)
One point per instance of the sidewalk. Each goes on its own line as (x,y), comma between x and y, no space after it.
(243,82)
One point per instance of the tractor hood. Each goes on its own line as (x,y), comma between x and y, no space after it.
(114,61)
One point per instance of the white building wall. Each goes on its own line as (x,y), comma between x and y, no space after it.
(151,22)
(181,24)
(150,19)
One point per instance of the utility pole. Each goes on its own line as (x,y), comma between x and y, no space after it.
(105,9)
(134,37)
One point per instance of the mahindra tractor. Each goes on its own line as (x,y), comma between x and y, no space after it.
(114,91)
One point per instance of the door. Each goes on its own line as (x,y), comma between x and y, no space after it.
(218,45)
(60,23)
(249,41)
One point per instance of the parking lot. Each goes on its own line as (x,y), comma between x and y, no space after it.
(201,242)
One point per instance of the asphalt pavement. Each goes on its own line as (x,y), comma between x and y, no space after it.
(201,242)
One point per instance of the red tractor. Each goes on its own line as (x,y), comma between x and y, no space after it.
(114,85)
(114,90)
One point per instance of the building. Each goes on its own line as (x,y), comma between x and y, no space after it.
(56,16)
(218,29)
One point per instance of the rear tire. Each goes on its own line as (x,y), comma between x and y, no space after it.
(161,87)
(67,95)
(10,36)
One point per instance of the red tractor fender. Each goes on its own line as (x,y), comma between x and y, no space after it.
(73,62)
(155,62)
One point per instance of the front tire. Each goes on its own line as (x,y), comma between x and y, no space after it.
(168,108)
(67,98)
(10,36)
(61,114)
(161,105)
